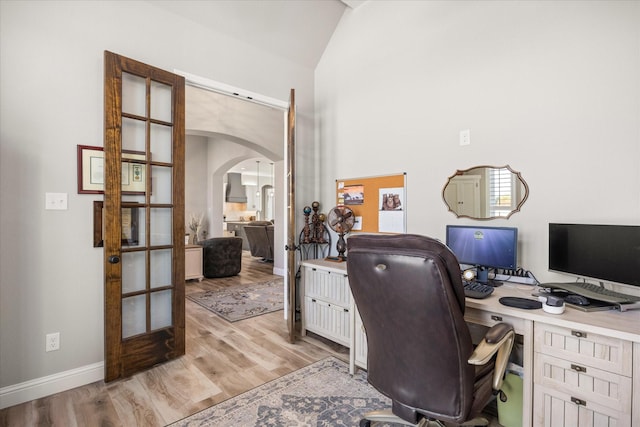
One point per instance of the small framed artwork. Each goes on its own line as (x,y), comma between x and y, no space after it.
(354,194)
(91,171)
(129,225)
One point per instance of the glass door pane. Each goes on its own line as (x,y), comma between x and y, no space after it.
(133,94)
(133,316)
(134,272)
(147,197)
(160,266)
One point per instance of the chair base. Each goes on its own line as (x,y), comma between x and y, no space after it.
(386,416)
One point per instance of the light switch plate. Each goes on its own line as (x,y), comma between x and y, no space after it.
(55,201)
(465,137)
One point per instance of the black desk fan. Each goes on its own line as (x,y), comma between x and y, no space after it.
(341,220)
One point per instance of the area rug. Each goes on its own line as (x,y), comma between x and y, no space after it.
(321,394)
(243,301)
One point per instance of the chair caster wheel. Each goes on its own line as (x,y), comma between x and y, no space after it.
(365,423)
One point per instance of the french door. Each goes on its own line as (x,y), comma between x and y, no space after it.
(144,216)
(291,216)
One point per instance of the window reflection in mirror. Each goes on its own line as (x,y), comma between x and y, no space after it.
(485,192)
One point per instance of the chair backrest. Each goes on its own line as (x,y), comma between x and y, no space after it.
(258,240)
(260,223)
(271,238)
(409,293)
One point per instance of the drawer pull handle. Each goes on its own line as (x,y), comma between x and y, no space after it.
(579,334)
(578,368)
(579,401)
(313,300)
(346,310)
(496,318)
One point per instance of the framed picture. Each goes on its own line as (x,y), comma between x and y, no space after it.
(91,171)
(129,225)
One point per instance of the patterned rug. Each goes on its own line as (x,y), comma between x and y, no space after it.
(244,301)
(321,394)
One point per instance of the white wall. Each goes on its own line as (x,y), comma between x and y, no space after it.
(51,85)
(195,182)
(550,88)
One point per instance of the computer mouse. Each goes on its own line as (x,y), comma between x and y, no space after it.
(553,305)
(577,300)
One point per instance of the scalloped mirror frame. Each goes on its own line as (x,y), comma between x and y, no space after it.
(522,191)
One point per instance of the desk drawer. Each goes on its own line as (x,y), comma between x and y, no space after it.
(589,385)
(328,286)
(489,319)
(328,320)
(584,348)
(554,408)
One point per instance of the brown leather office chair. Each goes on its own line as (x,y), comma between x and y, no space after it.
(409,293)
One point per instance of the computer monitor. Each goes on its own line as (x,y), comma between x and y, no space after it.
(484,247)
(609,253)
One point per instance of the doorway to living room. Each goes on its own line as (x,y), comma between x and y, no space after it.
(243,134)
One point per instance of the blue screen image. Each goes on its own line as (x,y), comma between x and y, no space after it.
(484,246)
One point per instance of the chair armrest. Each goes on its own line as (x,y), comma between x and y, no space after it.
(498,339)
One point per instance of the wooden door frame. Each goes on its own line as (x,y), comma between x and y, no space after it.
(126,357)
(247,96)
(291,247)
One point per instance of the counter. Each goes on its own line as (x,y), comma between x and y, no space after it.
(237,227)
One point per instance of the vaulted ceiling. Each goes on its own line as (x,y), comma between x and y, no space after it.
(298,30)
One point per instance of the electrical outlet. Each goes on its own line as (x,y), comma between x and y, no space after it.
(52,342)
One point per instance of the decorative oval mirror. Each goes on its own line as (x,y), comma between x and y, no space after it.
(485,192)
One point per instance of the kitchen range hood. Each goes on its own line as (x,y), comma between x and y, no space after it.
(236,192)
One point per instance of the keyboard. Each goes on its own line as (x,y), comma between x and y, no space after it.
(592,291)
(477,290)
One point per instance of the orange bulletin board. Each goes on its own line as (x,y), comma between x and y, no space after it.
(378,203)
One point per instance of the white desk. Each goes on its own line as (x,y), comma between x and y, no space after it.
(609,349)
(577,365)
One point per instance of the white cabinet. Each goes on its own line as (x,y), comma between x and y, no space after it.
(581,378)
(572,377)
(193,262)
(359,347)
(327,300)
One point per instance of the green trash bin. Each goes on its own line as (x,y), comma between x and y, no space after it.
(510,412)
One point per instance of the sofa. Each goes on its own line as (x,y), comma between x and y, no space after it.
(221,256)
(260,237)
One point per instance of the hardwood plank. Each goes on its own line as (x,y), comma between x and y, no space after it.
(92,405)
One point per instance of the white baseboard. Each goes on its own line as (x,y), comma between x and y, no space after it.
(45,386)
(279,271)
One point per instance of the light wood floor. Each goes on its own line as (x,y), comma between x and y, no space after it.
(222,360)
